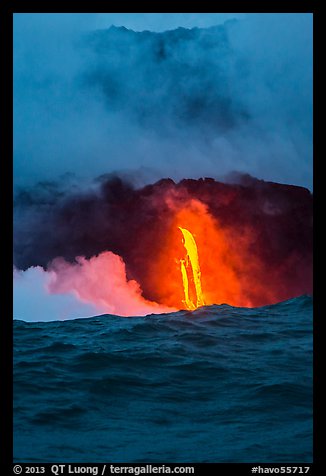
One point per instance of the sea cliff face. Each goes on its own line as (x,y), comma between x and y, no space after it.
(262,229)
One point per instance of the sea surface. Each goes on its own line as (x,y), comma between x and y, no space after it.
(220,384)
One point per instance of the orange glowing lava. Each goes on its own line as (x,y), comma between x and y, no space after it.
(191,262)
(183,282)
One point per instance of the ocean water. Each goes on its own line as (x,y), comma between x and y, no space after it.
(220,384)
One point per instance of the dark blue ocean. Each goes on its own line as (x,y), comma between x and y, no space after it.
(220,384)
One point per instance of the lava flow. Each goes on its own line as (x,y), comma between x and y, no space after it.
(191,261)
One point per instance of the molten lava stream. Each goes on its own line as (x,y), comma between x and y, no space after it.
(201,266)
(191,261)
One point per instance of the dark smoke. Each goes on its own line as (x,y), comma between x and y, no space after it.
(181,78)
(180,103)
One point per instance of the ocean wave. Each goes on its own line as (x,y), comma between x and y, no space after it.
(215,385)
